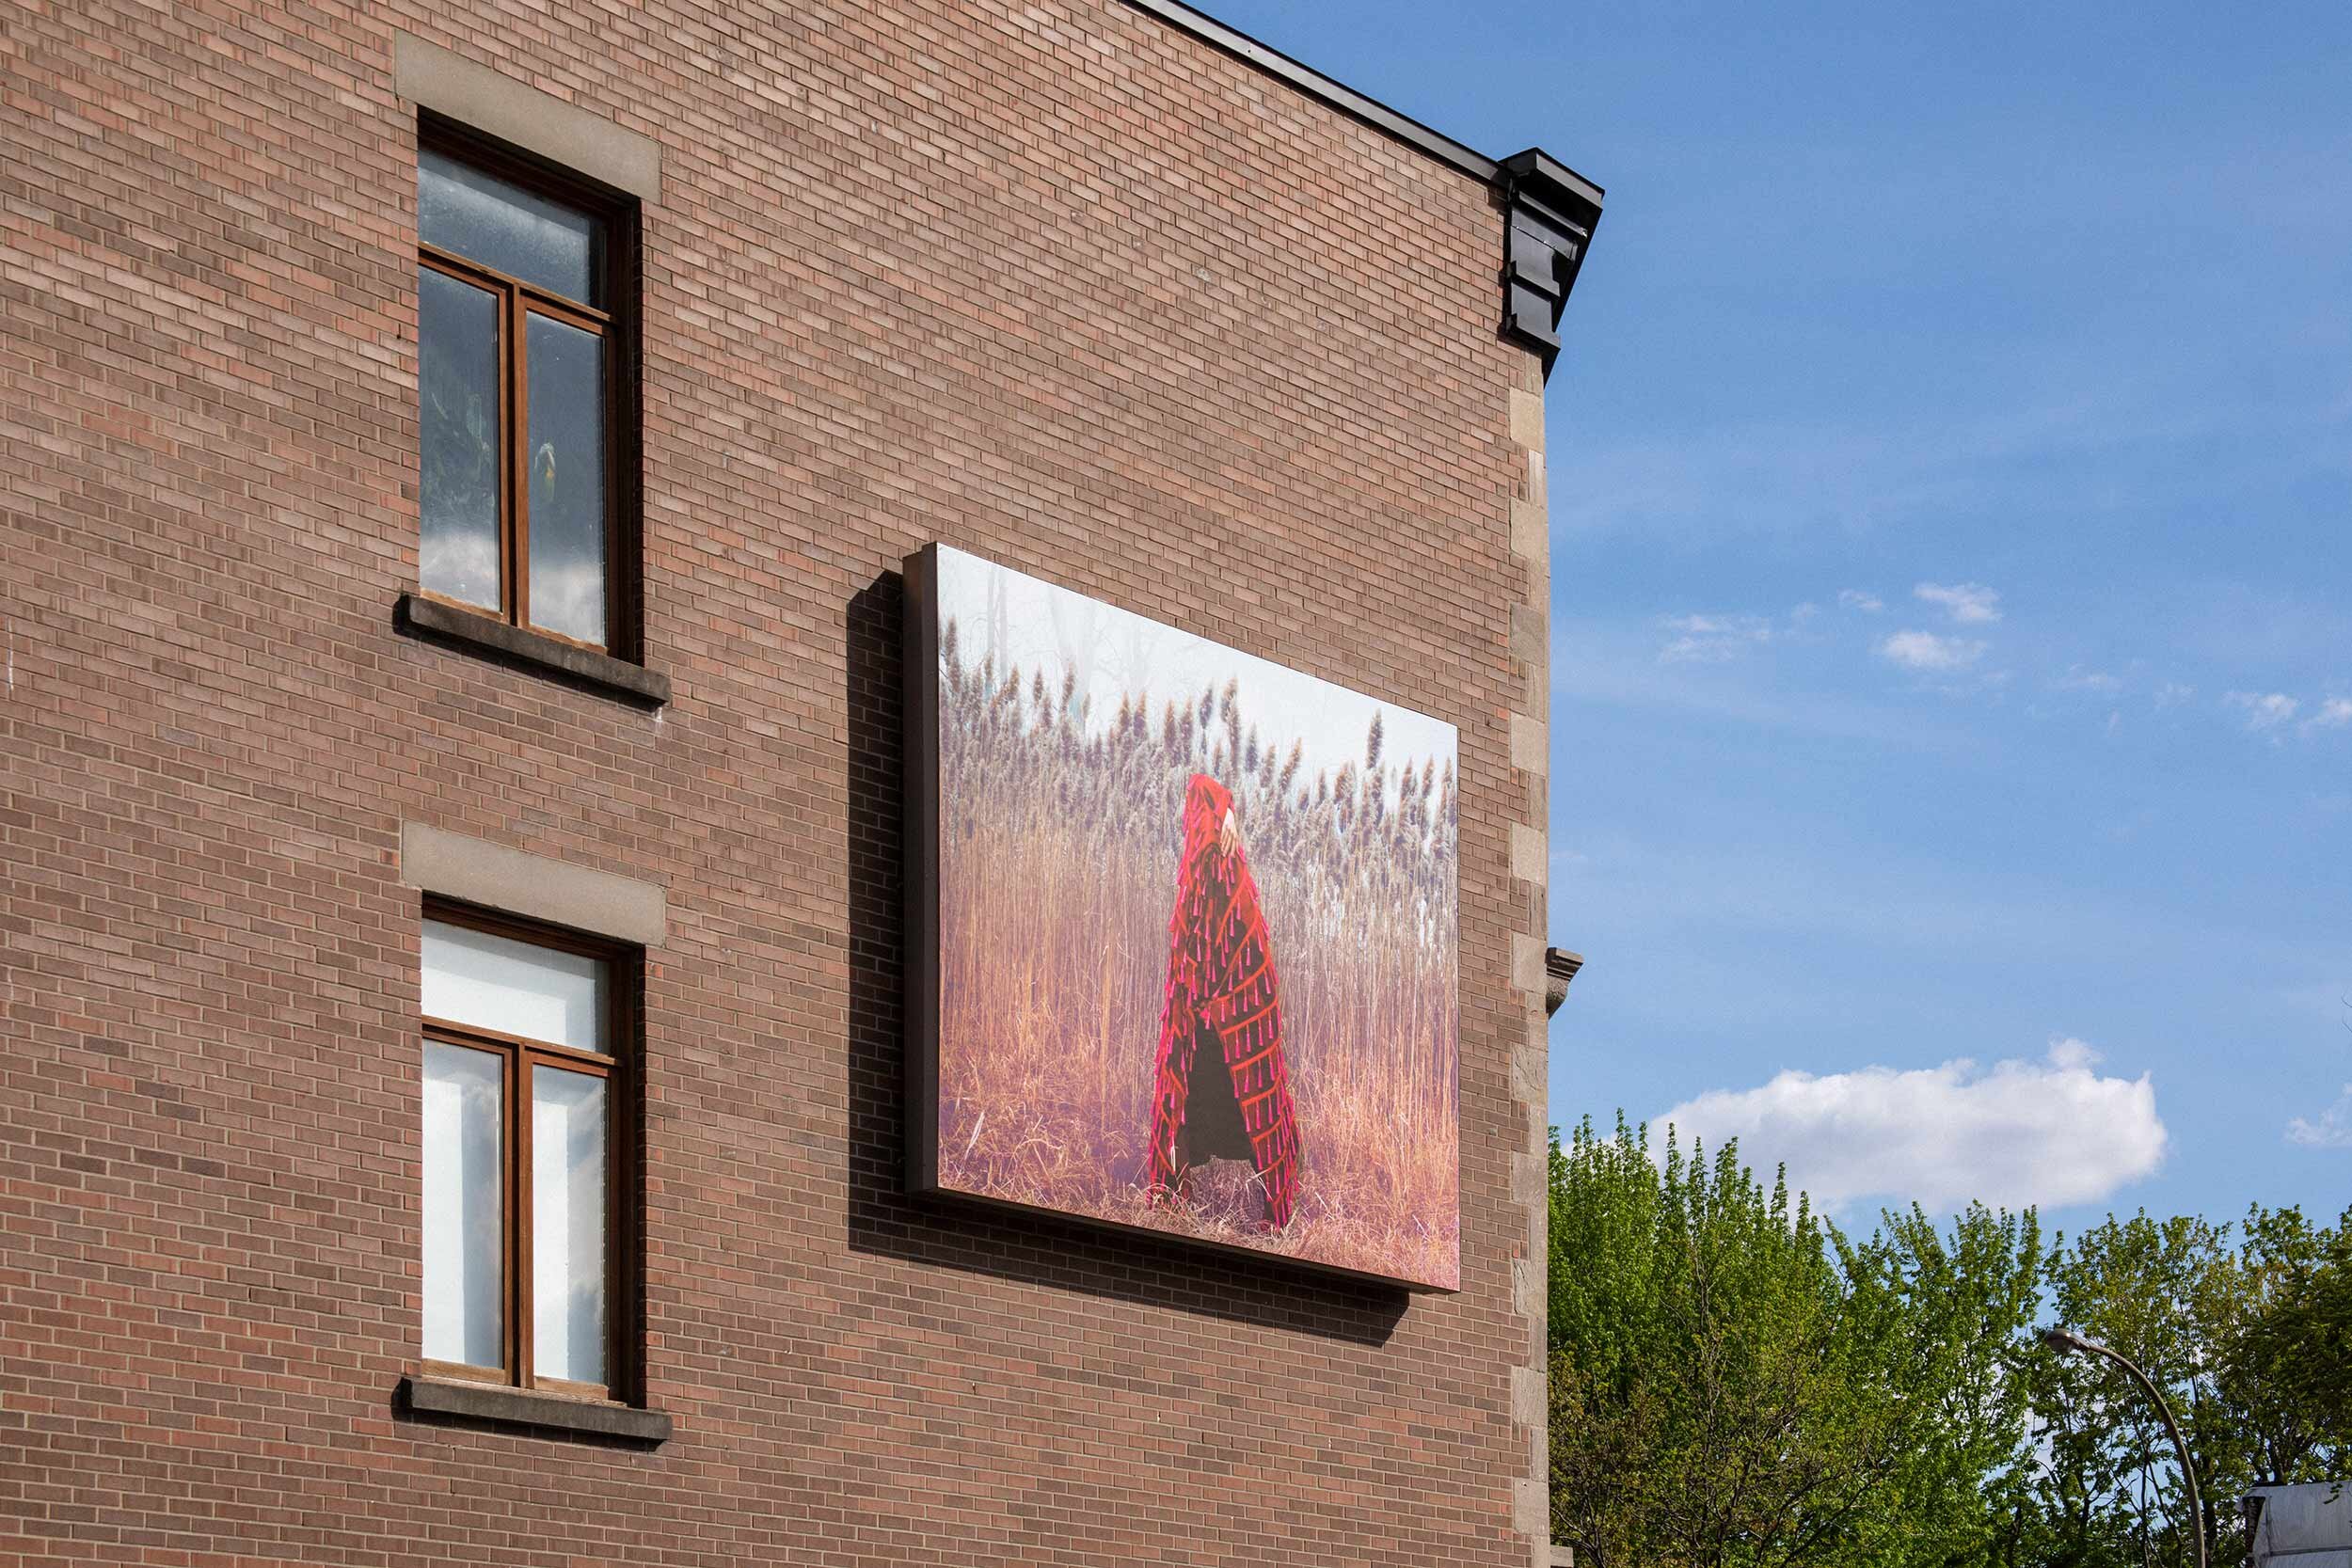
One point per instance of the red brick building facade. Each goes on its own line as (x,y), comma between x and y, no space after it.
(1087,287)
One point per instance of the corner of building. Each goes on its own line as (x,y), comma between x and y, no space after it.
(1530,652)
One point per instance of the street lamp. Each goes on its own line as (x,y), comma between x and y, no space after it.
(2062,1340)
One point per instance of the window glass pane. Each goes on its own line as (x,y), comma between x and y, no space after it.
(564,367)
(464,1316)
(457,419)
(494,982)
(567,1224)
(501,225)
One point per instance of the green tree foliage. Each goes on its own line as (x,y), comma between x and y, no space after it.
(2109,1491)
(1735,1382)
(2236,1332)
(2291,1363)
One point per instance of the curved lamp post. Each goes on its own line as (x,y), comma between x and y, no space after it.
(2062,1340)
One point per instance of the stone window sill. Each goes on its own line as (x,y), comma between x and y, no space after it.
(419,616)
(524,1407)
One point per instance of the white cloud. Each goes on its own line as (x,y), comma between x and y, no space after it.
(1712,638)
(1617,664)
(2334,714)
(2264,711)
(2333,1130)
(2271,713)
(1969,603)
(1854,598)
(1925,650)
(2079,679)
(1803,612)
(2172,693)
(2050,1133)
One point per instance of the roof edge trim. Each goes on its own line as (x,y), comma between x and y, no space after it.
(1315,84)
(1550,210)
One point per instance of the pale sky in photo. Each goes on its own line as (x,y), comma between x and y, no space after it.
(1115,653)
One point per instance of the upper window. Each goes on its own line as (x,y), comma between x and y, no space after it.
(521,363)
(523,1085)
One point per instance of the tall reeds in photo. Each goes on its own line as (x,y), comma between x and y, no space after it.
(1060,836)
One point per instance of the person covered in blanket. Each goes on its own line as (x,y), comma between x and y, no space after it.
(1221,1088)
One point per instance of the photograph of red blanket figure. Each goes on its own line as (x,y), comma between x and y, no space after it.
(1186,933)
(1221,1088)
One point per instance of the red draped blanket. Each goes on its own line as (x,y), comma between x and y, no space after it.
(1221,1088)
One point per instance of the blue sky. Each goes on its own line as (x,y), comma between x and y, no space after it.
(1950,462)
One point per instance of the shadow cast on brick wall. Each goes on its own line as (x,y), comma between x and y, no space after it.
(1038,1249)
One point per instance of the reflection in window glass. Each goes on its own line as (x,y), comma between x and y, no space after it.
(564,437)
(457,416)
(494,982)
(464,1320)
(567,1224)
(499,224)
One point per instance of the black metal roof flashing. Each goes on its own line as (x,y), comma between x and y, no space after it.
(1550,210)
(1548,216)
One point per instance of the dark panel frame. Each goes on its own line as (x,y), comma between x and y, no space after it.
(921,840)
(920,877)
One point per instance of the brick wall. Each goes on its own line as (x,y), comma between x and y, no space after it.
(1052,283)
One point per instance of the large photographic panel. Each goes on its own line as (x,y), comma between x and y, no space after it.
(1185,933)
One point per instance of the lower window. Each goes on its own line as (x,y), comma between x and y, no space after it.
(524,1087)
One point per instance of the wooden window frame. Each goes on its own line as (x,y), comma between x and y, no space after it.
(517,1055)
(613,278)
